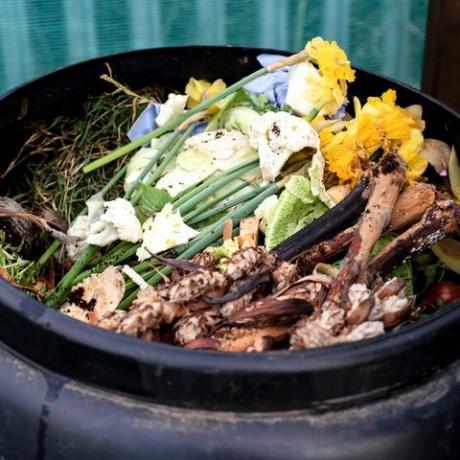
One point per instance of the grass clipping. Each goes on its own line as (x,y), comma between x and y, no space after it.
(56,151)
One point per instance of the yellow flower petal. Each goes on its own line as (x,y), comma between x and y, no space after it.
(327,87)
(331,59)
(379,124)
(410,153)
(201,90)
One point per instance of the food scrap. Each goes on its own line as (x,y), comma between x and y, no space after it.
(277,213)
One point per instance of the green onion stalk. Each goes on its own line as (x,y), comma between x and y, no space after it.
(188,218)
(226,205)
(223,181)
(191,191)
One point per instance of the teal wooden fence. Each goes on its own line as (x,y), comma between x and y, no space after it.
(38,36)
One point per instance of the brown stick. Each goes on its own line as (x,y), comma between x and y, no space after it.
(409,208)
(56,234)
(324,251)
(437,222)
(387,185)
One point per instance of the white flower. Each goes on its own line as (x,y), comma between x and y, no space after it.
(297,96)
(105,223)
(164,231)
(117,222)
(172,108)
(276,136)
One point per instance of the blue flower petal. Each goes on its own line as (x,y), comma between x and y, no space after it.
(145,122)
(274,85)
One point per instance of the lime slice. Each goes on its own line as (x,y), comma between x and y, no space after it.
(448,252)
(296,209)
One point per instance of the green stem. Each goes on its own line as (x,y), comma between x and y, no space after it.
(114,180)
(52,248)
(166,146)
(199,197)
(209,204)
(225,206)
(57,295)
(165,162)
(237,215)
(100,162)
(191,191)
(114,257)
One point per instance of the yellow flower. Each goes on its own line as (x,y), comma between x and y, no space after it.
(342,155)
(410,153)
(325,94)
(392,120)
(379,124)
(331,59)
(327,87)
(201,90)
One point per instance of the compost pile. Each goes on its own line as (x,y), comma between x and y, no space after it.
(270,214)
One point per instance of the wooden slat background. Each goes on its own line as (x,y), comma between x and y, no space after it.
(441,73)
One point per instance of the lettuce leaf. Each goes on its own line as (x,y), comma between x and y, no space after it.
(297,207)
(152,201)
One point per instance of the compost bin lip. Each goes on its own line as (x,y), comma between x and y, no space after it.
(127,364)
(356,353)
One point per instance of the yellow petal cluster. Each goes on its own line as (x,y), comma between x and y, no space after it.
(330,58)
(410,153)
(202,90)
(379,124)
(327,89)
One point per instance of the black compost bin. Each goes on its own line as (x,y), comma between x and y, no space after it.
(72,391)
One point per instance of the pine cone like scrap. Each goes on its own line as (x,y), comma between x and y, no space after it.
(147,313)
(248,261)
(194,326)
(193,285)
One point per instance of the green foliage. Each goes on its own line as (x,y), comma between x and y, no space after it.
(151,201)
(296,209)
(22,271)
